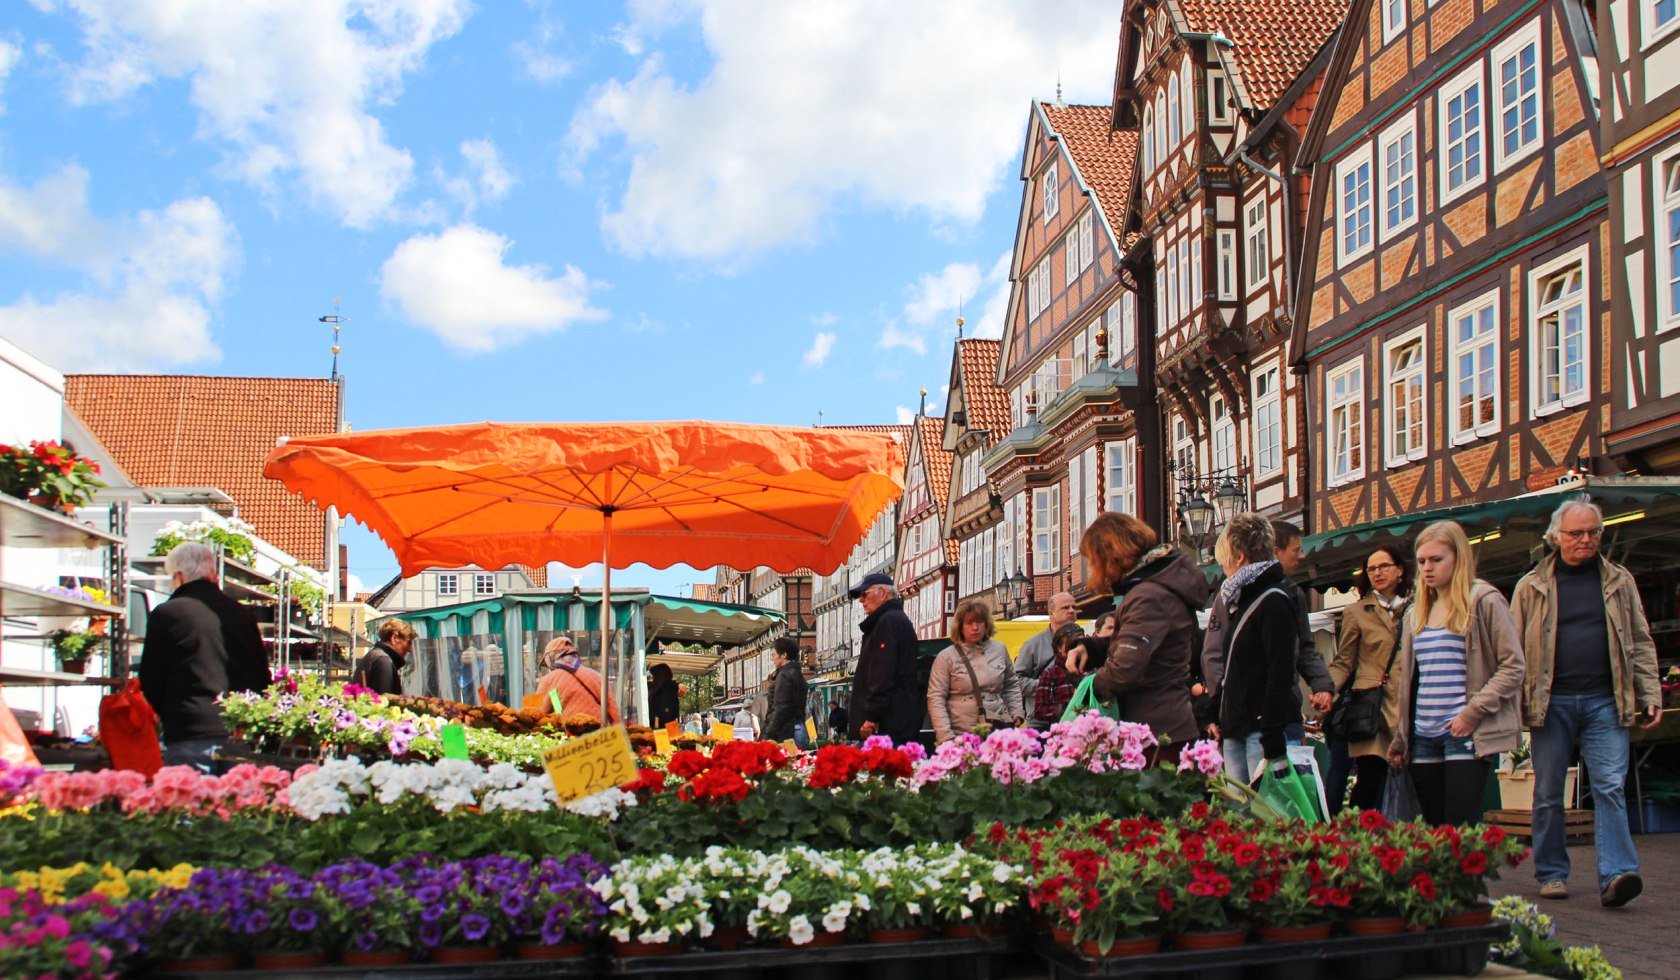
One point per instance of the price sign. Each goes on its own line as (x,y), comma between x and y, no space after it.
(554,701)
(811,730)
(661,742)
(673,729)
(588,764)
(454,739)
(723,733)
(789,747)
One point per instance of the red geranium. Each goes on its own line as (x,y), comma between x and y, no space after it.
(1474,863)
(1373,820)
(647,780)
(1424,885)
(686,764)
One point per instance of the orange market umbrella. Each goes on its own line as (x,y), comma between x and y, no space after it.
(703,493)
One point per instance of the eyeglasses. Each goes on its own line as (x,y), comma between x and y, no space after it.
(1387,566)
(1585,534)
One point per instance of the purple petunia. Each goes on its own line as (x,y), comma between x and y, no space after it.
(474,926)
(302,920)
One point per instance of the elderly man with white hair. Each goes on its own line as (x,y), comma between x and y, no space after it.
(200,644)
(1591,675)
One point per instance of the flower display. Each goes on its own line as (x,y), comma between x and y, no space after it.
(338,786)
(83,938)
(231,534)
(55,886)
(50,469)
(180,789)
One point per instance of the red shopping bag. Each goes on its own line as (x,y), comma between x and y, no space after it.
(14,748)
(128,727)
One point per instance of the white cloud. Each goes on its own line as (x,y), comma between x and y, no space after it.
(821,346)
(542,65)
(10,55)
(930,312)
(811,106)
(484,179)
(905,415)
(288,86)
(825,319)
(148,280)
(757,378)
(458,285)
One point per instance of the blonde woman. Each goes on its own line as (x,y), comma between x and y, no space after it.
(973,682)
(1459,676)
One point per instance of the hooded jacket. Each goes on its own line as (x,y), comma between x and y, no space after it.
(1148,657)
(1258,690)
(885,689)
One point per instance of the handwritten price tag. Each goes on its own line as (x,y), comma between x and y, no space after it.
(661,742)
(588,764)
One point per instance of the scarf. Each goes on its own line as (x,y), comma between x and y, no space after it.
(1234,583)
(557,659)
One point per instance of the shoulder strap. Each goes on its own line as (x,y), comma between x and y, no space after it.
(1249,612)
(972,679)
(1394,650)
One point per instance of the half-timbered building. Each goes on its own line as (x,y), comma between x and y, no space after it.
(1219,93)
(837,614)
(976,419)
(1069,359)
(1453,296)
(927,562)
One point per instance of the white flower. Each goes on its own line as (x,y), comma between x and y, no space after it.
(660,935)
(621,934)
(966,913)
(835,919)
(800,931)
(779,902)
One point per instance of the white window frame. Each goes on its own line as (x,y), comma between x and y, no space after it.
(1472,77)
(1148,141)
(1161,128)
(1666,194)
(1257,239)
(1266,396)
(1086,232)
(1188,79)
(1578,260)
(1361,212)
(1394,407)
(1653,30)
(1006,539)
(1020,528)
(1219,97)
(1172,284)
(1120,461)
(1184,276)
(484,583)
(1070,261)
(1223,431)
(1091,506)
(1227,263)
(1047,530)
(1506,51)
(1198,290)
(1393,19)
(1345,411)
(1391,138)
(1052,192)
(1495,369)
(448,583)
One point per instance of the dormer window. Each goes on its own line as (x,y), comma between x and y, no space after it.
(1052,196)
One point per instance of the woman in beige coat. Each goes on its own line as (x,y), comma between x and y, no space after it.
(1365,654)
(973,682)
(1460,680)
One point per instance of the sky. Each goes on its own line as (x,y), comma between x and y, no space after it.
(740,210)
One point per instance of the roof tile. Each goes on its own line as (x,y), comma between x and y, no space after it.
(1106,157)
(984,399)
(1275,40)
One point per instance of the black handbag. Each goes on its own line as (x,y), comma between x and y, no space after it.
(1357,714)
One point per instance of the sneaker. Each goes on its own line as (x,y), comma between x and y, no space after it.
(1555,889)
(1621,890)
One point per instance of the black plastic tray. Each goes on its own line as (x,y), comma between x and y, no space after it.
(850,959)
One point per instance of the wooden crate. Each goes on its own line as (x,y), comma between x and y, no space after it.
(1577,824)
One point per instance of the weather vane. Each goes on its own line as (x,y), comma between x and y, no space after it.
(337,323)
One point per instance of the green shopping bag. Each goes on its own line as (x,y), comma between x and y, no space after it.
(1290,794)
(1085,699)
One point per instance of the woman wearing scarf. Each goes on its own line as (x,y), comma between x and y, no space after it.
(1256,696)
(1365,655)
(579,687)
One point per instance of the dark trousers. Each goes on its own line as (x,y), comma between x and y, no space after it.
(1451,792)
(1370,775)
(1335,782)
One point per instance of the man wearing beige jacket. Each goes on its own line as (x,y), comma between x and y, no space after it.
(1592,675)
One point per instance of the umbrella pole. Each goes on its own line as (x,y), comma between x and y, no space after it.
(606,608)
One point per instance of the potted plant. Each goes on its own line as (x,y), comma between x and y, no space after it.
(49,475)
(231,534)
(979,891)
(1291,907)
(553,910)
(193,929)
(285,928)
(652,904)
(369,911)
(72,648)
(1207,890)
(901,903)
(1119,912)
(807,897)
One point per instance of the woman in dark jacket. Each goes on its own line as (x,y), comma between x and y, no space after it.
(1256,697)
(1146,662)
(663,696)
(787,693)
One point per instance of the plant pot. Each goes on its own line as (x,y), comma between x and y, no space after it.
(1480,915)
(376,957)
(466,954)
(1134,946)
(1295,934)
(217,963)
(537,951)
(730,938)
(73,665)
(1385,925)
(1062,937)
(47,501)
(820,939)
(670,948)
(1223,939)
(288,960)
(908,934)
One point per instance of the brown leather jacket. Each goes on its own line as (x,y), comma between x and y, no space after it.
(1370,635)
(1148,662)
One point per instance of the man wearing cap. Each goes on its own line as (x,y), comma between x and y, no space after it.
(885,700)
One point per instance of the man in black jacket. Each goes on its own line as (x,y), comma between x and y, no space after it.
(885,698)
(787,693)
(378,667)
(200,644)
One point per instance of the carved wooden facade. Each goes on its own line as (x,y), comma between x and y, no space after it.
(926,573)
(976,419)
(1453,304)
(1639,53)
(1069,359)
(1218,93)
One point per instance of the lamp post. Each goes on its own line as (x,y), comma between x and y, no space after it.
(1018,591)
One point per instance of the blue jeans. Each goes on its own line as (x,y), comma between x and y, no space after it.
(1590,722)
(1244,758)
(200,753)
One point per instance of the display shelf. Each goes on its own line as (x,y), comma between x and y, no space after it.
(24,525)
(24,677)
(22,600)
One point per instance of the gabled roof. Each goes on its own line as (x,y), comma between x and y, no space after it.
(176,430)
(1105,158)
(938,464)
(974,384)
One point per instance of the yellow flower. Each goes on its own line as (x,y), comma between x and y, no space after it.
(112,889)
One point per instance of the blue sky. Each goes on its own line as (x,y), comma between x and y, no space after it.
(722,209)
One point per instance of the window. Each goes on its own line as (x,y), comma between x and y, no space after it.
(1148,141)
(1047,530)
(1353,206)
(1184,277)
(484,584)
(1669,262)
(1461,121)
(1184,448)
(1560,335)
(1403,398)
(1121,459)
(1224,436)
(1346,422)
(1185,72)
(1663,16)
(1122,327)
(1070,261)
(1394,19)
(1006,540)
(1171,303)
(988,564)
(1259,251)
(1227,260)
(1220,98)
(1197,289)
(1052,193)
(1082,491)
(1079,358)
(1516,72)
(1079,248)
(1399,176)
(1038,289)
(1175,135)
(1268,422)
(1162,147)
(1474,333)
(448,584)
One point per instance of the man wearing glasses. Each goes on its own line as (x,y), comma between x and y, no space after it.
(1592,675)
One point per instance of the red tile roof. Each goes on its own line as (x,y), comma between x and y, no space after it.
(938,463)
(176,430)
(984,399)
(1106,157)
(1275,40)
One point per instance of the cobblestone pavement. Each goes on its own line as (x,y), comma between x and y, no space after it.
(1638,938)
